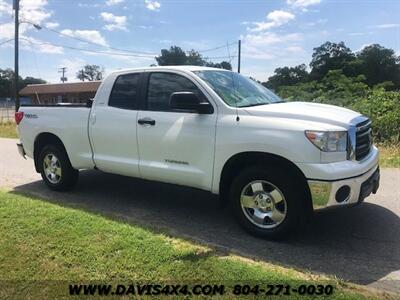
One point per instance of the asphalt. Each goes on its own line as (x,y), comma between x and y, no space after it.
(360,244)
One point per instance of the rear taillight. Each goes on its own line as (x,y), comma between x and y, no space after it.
(19,115)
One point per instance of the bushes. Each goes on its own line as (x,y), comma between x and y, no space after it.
(383,107)
(380,105)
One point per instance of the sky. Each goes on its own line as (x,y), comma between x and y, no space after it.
(129,33)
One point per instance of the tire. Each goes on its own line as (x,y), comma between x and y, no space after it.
(56,169)
(268,202)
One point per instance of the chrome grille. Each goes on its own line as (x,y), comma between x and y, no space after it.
(363,139)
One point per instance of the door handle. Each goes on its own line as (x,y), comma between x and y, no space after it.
(147,121)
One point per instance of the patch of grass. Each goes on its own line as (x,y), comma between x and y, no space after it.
(44,242)
(389,156)
(8,130)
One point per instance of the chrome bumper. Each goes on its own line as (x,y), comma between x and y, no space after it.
(326,193)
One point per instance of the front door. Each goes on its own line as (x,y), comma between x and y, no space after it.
(175,146)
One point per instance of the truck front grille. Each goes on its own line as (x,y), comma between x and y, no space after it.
(363,139)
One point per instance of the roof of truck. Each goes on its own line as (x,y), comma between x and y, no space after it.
(183,68)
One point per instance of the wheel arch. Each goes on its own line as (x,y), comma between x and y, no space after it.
(245,159)
(43,139)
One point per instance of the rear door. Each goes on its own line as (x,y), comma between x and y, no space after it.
(175,146)
(113,127)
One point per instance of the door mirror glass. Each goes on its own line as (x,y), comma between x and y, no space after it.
(188,101)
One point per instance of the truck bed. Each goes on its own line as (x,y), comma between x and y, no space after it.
(69,122)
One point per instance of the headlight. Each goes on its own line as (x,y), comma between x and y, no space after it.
(328,141)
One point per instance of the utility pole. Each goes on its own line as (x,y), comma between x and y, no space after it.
(63,70)
(239,54)
(16,53)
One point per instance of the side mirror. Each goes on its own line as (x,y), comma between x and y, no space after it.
(188,101)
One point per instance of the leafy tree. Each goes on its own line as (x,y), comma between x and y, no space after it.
(383,108)
(287,76)
(334,88)
(342,90)
(194,58)
(176,56)
(7,82)
(90,73)
(330,56)
(308,91)
(33,80)
(379,64)
(222,65)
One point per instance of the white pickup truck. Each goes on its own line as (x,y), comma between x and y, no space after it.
(273,161)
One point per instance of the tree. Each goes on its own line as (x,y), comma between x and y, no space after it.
(330,56)
(90,73)
(7,82)
(222,65)
(194,58)
(33,80)
(379,64)
(175,56)
(287,76)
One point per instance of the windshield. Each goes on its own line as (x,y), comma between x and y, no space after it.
(237,90)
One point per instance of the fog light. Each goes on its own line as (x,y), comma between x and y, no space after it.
(342,194)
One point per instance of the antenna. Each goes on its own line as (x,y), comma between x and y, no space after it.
(239,54)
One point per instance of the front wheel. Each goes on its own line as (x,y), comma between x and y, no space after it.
(56,169)
(267,201)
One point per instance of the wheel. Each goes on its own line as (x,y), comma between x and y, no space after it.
(268,201)
(56,169)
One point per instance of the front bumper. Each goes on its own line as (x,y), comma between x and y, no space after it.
(344,192)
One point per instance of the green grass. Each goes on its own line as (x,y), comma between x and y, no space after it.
(8,130)
(390,156)
(41,241)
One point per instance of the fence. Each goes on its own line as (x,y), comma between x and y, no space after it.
(6,112)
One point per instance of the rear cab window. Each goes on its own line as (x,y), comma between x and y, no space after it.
(125,92)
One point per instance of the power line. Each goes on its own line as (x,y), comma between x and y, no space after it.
(87,50)
(103,52)
(119,49)
(216,48)
(93,43)
(7,41)
(220,57)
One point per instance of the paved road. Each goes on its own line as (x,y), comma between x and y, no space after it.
(359,244)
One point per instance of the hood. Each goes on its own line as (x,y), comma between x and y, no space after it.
(306,111)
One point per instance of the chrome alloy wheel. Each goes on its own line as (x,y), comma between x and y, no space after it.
(52,168)
(263,204)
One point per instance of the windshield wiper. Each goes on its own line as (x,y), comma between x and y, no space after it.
(256,104)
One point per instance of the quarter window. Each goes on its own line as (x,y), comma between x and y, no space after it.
(125,92)
(162,85)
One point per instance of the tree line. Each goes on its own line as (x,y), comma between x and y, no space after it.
(373,65)
(7,82)
(367,81)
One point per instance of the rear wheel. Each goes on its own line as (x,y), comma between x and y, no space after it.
(268,201)
(56,169)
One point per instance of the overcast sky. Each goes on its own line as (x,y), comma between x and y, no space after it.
(274,33)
